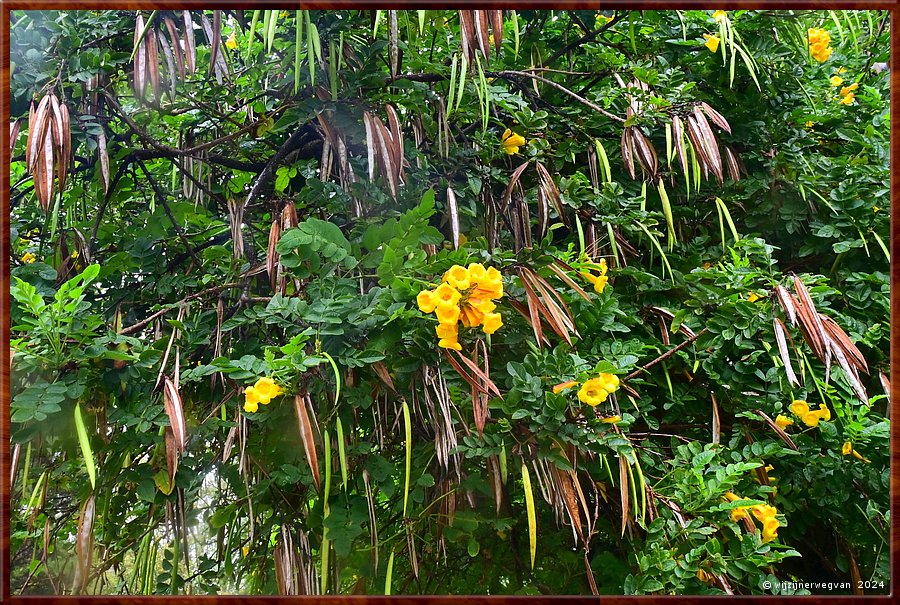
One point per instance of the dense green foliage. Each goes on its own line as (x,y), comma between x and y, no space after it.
(143,289)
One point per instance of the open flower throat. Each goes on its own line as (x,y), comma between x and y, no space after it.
(466,295)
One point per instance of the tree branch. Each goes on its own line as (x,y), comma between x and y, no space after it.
(585,38)
(144,322)
(161,196)
(666,355)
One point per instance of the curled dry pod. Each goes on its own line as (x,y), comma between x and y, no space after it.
(140,59)
(731,163)
(627,150)
(646,154)
(680,150)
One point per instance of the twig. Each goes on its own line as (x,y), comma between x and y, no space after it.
(563,89)
(508,74)
(179,152)
(161,196)
(666,355)
(585,38)
(143,323)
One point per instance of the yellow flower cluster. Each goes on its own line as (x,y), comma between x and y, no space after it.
(810,417)
(595,391)
(847,449)
(264,391)
(466,295)
(28,258)
(764,513)
(847,94)
(712,42)
(599,281)
(819,40)
(511,142)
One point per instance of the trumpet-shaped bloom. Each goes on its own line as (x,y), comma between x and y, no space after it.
(847,99)
(492,323)
(720,16)
(558,388)
(447,313)
(427,301)
(28,258)
(819,40)
(783,421)
(846,90)
(447,294)
(477,273)
(611,419)
(799,407)
(810,419)
(847,448)
(267,390)
(511,142)
(770,529)
(836,80)
(458,277)
(595,391)
(251,399)
(447,331)
(712,42)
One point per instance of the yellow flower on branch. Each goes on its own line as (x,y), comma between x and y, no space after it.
(28,258)
(231,42)
(611,419)
(267,390)
(819,40)
(720,16)
(466,295)
(446,293)
(447,313)
(447,331)
(799,407)
(595,391)
(847,99)
(753,297)
(770,529)
(492,323)
(836,80)
(511,141)
(783,421)
(810,417)
(712,42)
(458,277)
(427,301)
(847,450)
(598,281)
(846,90)
(251,400)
